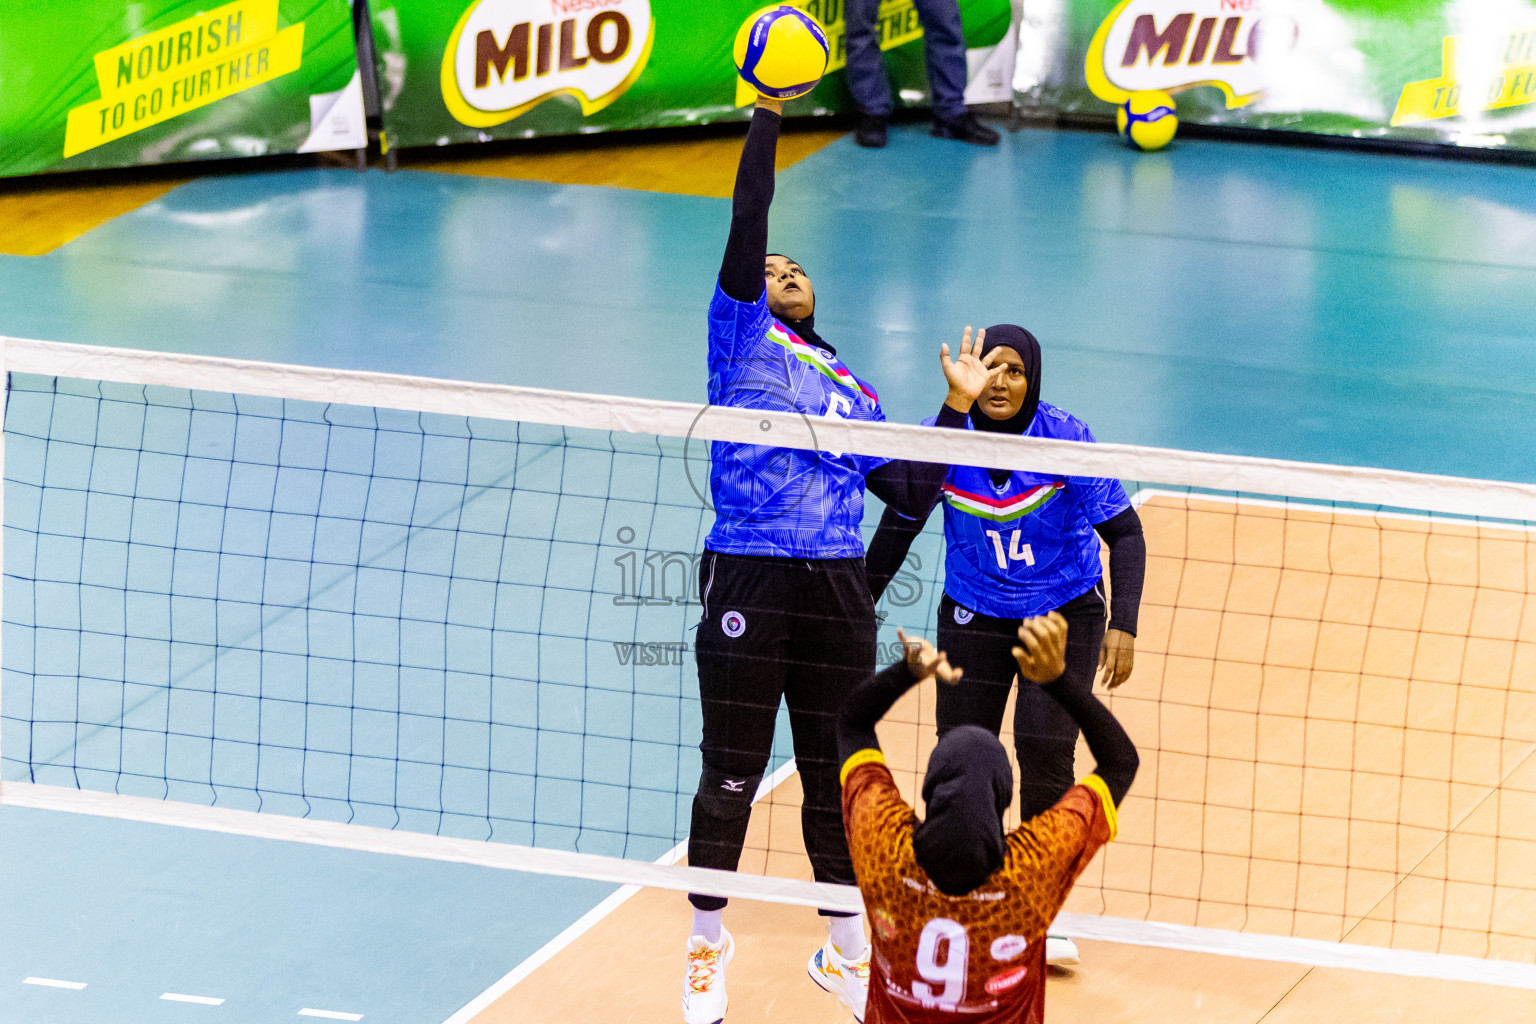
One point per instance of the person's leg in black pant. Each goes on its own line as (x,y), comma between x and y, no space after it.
(832,649)
(742,644)
(981,646)
(1044,735)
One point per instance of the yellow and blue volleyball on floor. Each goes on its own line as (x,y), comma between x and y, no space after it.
(781,52)
(1148,120)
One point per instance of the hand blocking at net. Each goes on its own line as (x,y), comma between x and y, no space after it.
(969,375)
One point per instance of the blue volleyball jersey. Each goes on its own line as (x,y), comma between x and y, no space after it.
(786,502)
(1027,547)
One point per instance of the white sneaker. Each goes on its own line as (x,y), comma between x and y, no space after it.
(1061,951)
(704,985)
(846,979)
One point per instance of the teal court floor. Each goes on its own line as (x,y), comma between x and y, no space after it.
(1335,307)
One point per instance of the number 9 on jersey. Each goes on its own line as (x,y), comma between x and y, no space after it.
(949,975)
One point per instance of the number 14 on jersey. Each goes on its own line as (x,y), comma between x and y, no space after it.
(1013,552)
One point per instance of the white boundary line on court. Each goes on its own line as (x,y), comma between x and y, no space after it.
(547,952)
(182,997)
(1394,488)
(1279,948)
(587,921)
(368,839)
(1309,952)
(329,1014)
(73,986)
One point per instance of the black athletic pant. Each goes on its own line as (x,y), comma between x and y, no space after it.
(799,629)
(1044,735)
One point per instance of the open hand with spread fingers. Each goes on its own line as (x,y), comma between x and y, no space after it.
(969,375)
(1042,650)
(926,662)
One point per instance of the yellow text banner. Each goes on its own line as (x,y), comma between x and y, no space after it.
(155,99)
(191,42)
(1511,85)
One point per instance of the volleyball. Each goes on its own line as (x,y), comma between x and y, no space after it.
(781,52)
(1147,121)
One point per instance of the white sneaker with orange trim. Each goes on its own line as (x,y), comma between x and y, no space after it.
(704,986)
(846,979)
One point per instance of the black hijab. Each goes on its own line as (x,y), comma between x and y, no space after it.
(969,786)
(805,329)
(1024,343)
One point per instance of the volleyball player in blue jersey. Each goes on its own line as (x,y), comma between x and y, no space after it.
(786,607)
(1019,545)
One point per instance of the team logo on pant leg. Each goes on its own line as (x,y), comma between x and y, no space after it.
(733,624)
(963,615)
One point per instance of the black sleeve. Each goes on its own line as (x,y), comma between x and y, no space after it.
(912,488)
(741,271)
(865,705)
(888,549)
(1127,568)
(909,490)
(1111,747)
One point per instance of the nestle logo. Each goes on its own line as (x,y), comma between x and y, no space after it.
(1170,43)
(1153,45)
(507,56)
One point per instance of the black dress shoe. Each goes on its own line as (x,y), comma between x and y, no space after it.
(965,129)
(871,132)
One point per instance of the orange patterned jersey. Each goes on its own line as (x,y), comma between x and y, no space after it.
(941,959)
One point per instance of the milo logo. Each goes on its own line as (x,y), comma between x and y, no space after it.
(1174,44)
(507,56)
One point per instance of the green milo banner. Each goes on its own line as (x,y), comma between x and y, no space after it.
(112,83)
(474,70)
(1458,72)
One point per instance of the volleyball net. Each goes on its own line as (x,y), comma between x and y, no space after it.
(456,620)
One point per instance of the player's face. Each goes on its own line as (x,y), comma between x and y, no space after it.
(790,296)
(1005,396)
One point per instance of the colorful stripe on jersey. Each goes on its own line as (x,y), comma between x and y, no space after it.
(781,335)
(1002,510)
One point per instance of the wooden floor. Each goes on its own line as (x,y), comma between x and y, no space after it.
(37,215)
(1282,655)
(685,164)
(1338,720)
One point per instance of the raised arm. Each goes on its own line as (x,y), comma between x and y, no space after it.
(741,271)
(1041,650)
(868,702)
(911,489)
